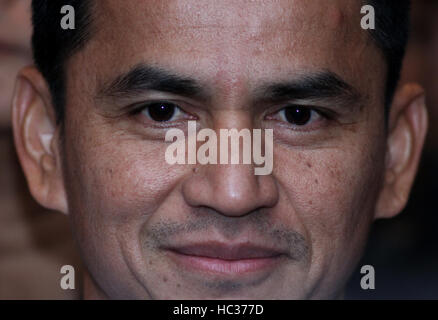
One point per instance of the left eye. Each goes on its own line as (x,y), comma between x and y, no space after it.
(298,115)
(162,111)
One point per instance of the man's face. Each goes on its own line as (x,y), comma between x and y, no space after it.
(15,29)
(148,229)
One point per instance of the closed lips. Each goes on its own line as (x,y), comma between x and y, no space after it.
(228,252)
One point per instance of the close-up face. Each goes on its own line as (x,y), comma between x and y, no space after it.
(15,30)
(150,229)
(136,216)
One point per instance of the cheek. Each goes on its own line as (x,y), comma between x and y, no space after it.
(117,186)
(331,194)
(123,179)
(332,191)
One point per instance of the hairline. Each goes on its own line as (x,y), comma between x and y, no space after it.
(90,31)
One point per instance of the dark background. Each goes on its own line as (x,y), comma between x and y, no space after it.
(404,250)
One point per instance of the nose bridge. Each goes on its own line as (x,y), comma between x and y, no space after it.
(234,182)
(230,188)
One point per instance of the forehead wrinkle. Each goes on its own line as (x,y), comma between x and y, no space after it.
(250,16)
(254,22)
(242,50)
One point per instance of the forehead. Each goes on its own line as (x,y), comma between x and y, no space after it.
(229,37)
(182,17)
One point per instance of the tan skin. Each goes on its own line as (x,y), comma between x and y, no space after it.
(331,178)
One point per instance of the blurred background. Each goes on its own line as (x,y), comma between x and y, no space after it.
(35,243)
(404,250)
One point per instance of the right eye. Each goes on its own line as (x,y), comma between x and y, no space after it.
(162,111)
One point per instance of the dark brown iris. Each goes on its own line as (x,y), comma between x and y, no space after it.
(298,115)
(161,112)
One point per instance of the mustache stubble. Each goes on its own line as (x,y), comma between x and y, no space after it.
(163,233)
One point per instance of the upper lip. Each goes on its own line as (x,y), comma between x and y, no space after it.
(224,251)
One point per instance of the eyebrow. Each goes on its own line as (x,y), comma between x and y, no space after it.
(322,85)
(314,86)
(142,78)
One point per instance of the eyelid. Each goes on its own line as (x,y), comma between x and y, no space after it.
(139,107)
(322,118)
(136,111)
(327,110)
(320,111)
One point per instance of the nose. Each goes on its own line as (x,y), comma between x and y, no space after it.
(231,190)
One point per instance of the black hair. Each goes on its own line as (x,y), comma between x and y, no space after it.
(53,46)
(391,35)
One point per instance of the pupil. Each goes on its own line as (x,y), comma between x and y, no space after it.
(161,111)
(298,115)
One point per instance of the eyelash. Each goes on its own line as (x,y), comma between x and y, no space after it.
(322,115)
(139,108)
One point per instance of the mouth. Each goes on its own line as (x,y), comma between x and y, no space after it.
(224,259)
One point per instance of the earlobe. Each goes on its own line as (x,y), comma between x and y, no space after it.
(36,140)
(407,131)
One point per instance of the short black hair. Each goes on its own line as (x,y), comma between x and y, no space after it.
(391,36)
(52,46)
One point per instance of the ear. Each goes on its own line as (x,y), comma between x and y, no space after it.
(36,139)
(407,127)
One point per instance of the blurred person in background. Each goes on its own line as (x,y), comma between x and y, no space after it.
(34,242)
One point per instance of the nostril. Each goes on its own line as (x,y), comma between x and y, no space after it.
(231,190)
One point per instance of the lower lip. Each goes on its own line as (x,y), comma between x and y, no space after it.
(225,267)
